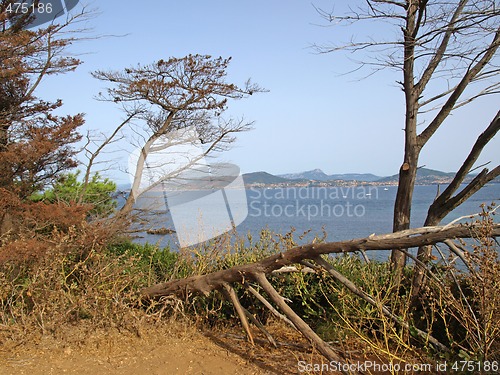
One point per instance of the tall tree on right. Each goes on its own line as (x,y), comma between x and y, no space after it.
(447,54)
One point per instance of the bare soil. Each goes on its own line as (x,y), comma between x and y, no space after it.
(175,349)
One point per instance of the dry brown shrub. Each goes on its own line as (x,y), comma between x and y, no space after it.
(465,302)
(23,250)
(67,276)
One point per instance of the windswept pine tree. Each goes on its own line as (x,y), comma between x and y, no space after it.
(36,145)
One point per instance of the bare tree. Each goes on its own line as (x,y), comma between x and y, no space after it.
(447,54)
(175,95)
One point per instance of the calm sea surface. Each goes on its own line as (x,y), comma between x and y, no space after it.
(344,213)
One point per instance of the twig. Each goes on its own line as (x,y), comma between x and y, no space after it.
(456,250)
(466,217)
(466,300)
(365,256)
(261,327)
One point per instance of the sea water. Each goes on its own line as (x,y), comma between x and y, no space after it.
(341,212)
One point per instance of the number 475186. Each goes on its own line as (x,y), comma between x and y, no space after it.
(23,8)
(476,366)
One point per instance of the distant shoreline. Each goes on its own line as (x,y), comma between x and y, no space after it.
(341,183)
(317,178)
(323,184)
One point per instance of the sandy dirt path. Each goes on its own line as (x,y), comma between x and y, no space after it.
(155,352)
(173,355)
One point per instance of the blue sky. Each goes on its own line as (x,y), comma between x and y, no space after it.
(313,115)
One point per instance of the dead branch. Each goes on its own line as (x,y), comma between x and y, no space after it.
(257,272)
(292,269)
(261,327)
(266,303)
(447,202)
(92,155)
(302,326)
(457,251)
(231,295)
(205,284)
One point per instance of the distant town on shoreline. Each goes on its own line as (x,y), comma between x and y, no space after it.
(318,178)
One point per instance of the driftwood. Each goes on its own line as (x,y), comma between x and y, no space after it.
(257,272)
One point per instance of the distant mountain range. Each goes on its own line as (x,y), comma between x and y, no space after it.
(425,176)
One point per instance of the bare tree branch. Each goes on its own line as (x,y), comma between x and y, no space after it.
(469,76)
(467,165)
(302,326)
(231,295)
(97,152)
(401,240)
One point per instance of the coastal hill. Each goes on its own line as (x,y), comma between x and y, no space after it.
(263,178)
(317,177)
(427,176)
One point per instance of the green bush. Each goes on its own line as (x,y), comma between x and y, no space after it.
(98,192)
(154,263)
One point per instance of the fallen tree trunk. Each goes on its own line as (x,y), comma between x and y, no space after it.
(205,284)
(257,272)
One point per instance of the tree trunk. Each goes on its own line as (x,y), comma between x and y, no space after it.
(402,207)
(408,171)
(406,185)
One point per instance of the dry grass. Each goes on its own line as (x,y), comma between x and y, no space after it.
(72,279)
(88,281)
(465,302)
